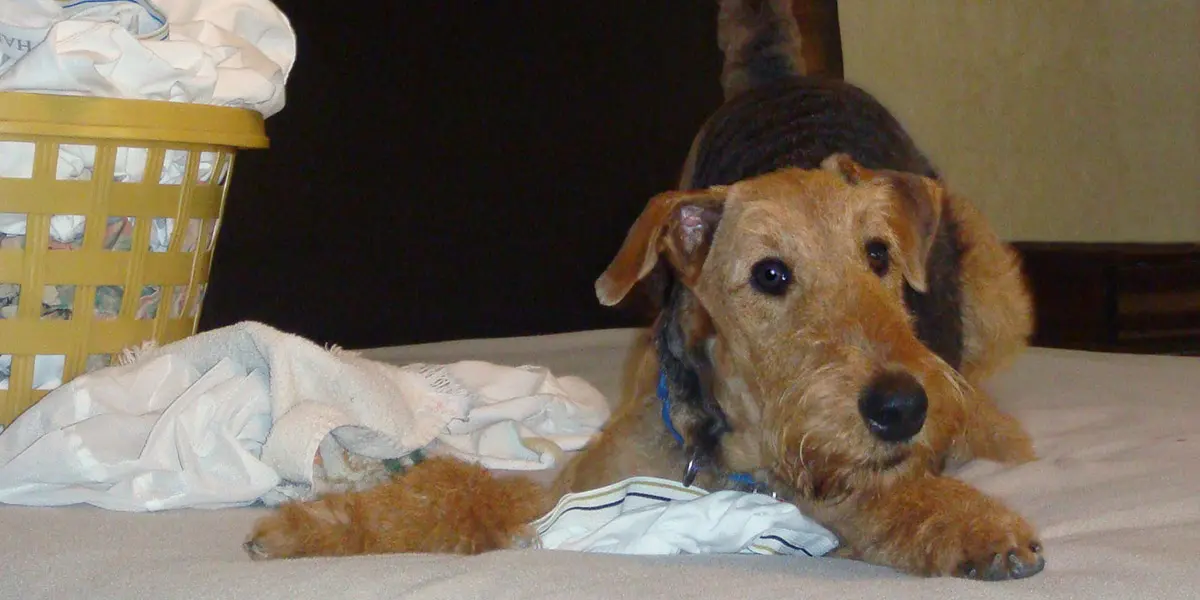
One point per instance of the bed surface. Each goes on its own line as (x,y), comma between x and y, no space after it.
(1116,495)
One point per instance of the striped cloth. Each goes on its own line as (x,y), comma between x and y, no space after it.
(647,515)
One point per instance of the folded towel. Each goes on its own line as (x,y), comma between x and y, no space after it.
(647,515)
(248,413)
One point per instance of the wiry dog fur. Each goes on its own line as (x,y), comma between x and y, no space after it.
(875,274)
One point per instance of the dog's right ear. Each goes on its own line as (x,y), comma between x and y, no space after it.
(677,225)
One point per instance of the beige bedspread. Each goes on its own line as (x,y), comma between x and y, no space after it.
(1116,495)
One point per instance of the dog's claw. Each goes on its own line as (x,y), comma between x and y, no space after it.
(1005,566)
(1022,570)
(255,550)
(968,569)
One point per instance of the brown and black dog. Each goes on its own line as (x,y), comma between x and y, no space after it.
(827,309)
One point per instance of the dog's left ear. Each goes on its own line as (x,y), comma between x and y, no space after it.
(676,225)
(918,205)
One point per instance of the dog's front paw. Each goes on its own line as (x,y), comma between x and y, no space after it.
(276,535)
(997,553)
(319,528)
(939,526)
(271,539)
(980,539)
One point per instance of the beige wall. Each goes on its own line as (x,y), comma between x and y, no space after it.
(1075,120)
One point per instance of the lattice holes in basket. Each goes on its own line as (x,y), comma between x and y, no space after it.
(104,245)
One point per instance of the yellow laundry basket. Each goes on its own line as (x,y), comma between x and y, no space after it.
(109,210)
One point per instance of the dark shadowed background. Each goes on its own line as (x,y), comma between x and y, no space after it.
(446,170)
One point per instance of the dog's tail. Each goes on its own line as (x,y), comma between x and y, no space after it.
(761,43)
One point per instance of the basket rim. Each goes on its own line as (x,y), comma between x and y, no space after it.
(70,116)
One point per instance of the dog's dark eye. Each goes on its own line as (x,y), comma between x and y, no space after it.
(877,257)
(770,276)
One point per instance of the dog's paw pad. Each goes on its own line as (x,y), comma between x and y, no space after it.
(1016,563)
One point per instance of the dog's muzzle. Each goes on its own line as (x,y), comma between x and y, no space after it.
(894,406)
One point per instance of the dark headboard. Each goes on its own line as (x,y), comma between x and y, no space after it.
(1139,298)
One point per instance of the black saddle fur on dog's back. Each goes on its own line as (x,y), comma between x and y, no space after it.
(798,122)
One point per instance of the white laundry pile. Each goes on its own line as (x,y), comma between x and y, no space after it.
(248,413)
(223,52)
(646,515)
(235,53)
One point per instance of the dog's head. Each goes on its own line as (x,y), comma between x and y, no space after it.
(793,287)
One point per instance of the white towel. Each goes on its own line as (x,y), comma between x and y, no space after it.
(647,515)
(223,52)
(237,415)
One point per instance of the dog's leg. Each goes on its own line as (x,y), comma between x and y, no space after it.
(939,526)
(441,505)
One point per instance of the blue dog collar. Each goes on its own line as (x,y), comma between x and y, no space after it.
(664,395)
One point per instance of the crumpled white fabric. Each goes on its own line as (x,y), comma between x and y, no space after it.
(237,415)
(223,52)
(652,516)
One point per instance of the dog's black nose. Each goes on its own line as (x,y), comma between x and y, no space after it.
(894,406)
